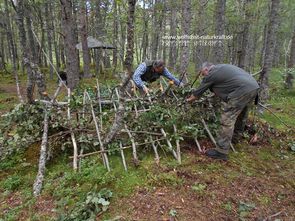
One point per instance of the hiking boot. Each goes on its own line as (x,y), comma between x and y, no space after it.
(216,155)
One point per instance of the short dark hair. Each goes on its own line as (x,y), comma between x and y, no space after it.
(158,63)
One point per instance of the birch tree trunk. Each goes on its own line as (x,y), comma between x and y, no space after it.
(269,49)
(37,187)
(49,30)
(289,77)
(115,36)
(54,37)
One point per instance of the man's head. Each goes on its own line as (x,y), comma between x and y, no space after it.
(206,66)
(159,66)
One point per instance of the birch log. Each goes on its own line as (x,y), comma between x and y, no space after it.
(42,159)
(75,160)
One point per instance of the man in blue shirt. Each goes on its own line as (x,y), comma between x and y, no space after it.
(150,71)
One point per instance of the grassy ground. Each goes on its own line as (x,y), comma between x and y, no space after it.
(257,182)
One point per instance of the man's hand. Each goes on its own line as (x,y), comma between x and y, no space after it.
(191,98)
(181,85)
(145,90)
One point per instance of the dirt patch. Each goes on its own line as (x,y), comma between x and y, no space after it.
(11,89)
(44,207)
(11,201)
(216,203)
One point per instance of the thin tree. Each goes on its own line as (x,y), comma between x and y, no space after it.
(291,63)
(173,33)
(118,121)
(13,51)
(68,24)
(186,30)
(242,56)
(83,36)
(219,30)
(49,31)
(269,49)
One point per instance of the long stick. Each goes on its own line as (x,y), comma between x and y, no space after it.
(211,136)
(104,155)
(169,144)
(112,100)
(265,107)
(84,105)
(232,147)
(209,132)
(157,158)
(99,103)
(143,132)
(126,147)
(136,162)
(56,92)
(75,160)
(177,146)
(123,156)
(47,57)
(198,145)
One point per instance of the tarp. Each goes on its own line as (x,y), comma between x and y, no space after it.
(94,43)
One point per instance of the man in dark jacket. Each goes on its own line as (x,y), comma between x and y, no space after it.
(150,71)
(237,89)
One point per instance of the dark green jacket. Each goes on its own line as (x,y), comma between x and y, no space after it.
(227,81)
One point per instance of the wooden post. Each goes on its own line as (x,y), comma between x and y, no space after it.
(57,91)
(80,160)
(208,131)
(198,145)
(114,104)
(136,162)
(169,144)
(123,156)
(211,136)
(99,103)
(84,104)
(177,146)
(104,154)
(75,160)
(232,147)
(157,158)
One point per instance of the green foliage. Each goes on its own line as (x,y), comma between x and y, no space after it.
(93,204)
(228,206)
(199,187)
(173,213)
(22,126)
(292,146)
(170,179)
(245,208)
(12,183)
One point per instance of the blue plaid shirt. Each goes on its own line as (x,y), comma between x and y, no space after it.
(141,69)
